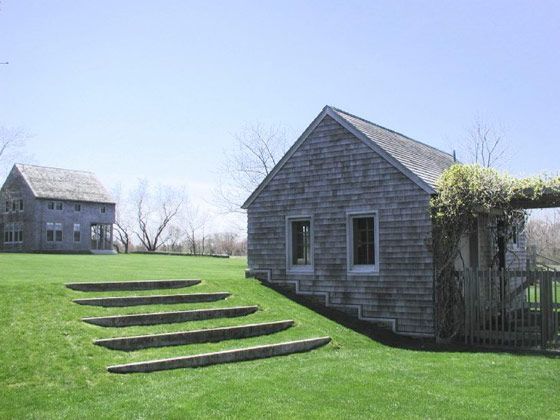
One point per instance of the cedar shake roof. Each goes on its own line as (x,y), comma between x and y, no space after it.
(427,162)
(423,164)
(64,184)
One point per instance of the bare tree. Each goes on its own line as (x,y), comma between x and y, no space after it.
(195,225)
(176,236)
(256,151)
(124,220)
(155,210)
(12,143)
(485,144)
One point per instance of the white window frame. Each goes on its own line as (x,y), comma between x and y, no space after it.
(361,269)
(290,267)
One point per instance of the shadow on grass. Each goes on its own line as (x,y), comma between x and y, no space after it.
(389,338)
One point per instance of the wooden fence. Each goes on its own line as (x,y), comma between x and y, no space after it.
(511,309)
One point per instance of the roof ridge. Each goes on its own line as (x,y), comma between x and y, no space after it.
(388,129)
(54,167)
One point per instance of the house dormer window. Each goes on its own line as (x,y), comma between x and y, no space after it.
(50,205)
(103,209)
(59,206)
(77,207)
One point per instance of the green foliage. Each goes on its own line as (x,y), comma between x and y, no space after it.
(463,193)
(49,367)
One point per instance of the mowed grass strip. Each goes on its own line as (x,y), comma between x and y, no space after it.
(49,367)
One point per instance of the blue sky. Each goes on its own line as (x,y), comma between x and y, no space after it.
(134,89)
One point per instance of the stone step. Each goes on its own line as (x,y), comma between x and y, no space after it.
(131,285)
(193,337)
(153,300)
(156,318)
(228,356)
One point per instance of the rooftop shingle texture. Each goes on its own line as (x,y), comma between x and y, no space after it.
(427,162)
(64,184)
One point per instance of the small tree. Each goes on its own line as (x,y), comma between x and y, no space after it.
(256,151)
(155,210)
(485,144)
(195,227)
(12,143)
(124,220)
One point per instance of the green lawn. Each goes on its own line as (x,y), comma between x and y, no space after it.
(50,369)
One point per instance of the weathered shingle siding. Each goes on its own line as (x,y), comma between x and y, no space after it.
(331,173)
(90,213)
(16,188)
(36,215)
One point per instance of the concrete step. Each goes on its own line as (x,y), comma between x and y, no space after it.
(228,356)
(153,300)
(131,285)
(192,337)
(170,317)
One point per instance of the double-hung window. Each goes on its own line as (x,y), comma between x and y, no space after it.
(54,232)
(13,233)
(299,247)
(363,242)
(77,233)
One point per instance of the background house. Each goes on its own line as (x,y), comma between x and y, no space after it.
(57,210)
(345,215)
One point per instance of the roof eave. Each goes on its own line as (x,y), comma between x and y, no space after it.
(331,112)
(285,158)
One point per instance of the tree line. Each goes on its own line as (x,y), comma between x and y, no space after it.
(161,218)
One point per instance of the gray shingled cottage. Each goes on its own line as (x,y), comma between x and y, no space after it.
(345,216)
(55,210)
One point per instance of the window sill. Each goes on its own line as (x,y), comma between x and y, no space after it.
(365,270)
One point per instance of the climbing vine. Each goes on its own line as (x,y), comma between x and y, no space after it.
(463,193)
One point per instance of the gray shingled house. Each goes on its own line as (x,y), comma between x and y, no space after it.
(345,216)
(55,210)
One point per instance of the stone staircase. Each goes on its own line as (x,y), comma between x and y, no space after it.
(132,343)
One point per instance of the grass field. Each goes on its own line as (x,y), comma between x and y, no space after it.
(50,369)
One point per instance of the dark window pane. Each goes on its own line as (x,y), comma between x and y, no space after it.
(301,245)
(51,205)
(363,238)
(59,236)
(50,235)
(77,237)
(77,207)
(21,205)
